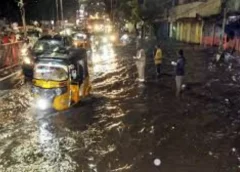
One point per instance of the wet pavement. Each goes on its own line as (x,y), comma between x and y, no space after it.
(130,127)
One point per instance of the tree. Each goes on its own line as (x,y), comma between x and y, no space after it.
(135,10)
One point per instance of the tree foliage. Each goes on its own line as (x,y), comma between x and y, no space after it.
(147,11)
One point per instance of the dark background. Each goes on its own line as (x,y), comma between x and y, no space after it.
(36,9)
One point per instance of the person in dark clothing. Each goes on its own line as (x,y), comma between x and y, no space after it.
(180,71)
(78,56)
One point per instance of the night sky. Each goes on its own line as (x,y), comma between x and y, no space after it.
(36,9)
(9,9)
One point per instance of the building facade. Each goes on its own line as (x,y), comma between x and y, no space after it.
(187,19)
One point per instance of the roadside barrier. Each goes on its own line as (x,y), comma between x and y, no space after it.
(10,55)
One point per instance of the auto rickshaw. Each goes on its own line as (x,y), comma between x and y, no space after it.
(60,80)
(81,40)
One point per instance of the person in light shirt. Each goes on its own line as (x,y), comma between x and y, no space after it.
(140,63)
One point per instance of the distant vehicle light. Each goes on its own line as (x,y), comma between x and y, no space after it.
(27,60)
(96,28)
(105,39)
(113,38)
(24,51)
(125,37)
(96,42)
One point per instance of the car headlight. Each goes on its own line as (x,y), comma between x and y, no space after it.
(42,104)
(96,27)
(75,44)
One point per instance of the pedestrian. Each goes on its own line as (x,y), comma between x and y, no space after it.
(12,37)
(180,71)
(140,63)
(5,38)
(158,59)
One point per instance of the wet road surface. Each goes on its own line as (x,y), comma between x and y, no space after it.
(129,127)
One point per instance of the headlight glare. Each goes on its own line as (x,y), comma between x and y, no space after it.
(42,104)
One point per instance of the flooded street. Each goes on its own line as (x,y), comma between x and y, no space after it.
(130,127)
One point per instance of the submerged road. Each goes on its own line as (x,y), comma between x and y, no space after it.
(126,126)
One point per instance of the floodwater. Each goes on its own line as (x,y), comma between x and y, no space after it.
(130,127)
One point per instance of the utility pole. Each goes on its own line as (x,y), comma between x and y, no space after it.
(22,10)
(112,9)
(225,11)
(57,12)
(61,9)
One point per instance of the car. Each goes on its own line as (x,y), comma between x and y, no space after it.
(45,44)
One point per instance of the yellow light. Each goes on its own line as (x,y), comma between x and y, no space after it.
(96,27)
(27,60)
(113,38)
(24,51)
(75,44)
(40,48)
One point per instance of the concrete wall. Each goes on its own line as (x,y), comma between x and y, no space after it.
(211,7)
(233,5)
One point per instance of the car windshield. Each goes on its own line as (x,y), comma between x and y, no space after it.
(53,72)
(43,46)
